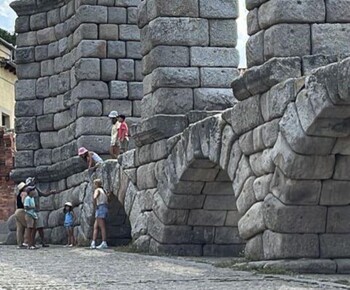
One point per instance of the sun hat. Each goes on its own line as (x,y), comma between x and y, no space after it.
(69,204)
(113,114)
(21,186)
(82,151)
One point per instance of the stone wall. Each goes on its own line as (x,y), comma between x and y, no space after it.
(7,200)
(282,28)
(76,61)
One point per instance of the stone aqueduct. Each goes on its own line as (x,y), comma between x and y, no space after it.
(262,170)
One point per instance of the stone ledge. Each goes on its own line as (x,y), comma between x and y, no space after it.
(158,127)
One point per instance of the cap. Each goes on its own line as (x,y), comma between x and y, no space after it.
(21,186)
(30,180)
(82,151)
(113,114)
(69,204)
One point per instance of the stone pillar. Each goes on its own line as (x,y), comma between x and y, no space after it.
(189,58)
(76,61)
(283,28)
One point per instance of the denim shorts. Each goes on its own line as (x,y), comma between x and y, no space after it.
(101,211)
(68,225)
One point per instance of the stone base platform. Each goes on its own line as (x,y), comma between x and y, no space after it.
(300,266)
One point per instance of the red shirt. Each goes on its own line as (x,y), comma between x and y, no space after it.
(123,131)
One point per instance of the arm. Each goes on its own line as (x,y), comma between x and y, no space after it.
(23,196)
(45,194)
(89,160)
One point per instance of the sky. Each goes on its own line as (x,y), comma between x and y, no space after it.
(8,16)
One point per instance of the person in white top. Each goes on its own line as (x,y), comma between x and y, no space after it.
(113,149)
(100,200)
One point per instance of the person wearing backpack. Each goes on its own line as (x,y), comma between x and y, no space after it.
(100,200)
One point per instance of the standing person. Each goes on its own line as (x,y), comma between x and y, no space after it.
(114,134)
(21,225)
(100,200)
(91,158)
(69,218)
(30,216)
(123,135)
(30,181)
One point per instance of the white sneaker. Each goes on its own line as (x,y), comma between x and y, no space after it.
(102,246)
(93,245)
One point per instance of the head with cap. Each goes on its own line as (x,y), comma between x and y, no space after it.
(30,181)
(113,115)
(68,206)
(82,152)
(21,186)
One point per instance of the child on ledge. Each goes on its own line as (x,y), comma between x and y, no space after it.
(123,136)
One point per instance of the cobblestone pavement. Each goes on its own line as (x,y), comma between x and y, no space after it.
(79,268)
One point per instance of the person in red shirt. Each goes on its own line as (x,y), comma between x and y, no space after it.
(123,136)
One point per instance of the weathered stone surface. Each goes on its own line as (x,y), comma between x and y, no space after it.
(172,56)
(206,218)
(295,192)
(253,22)
(219,9)
(91,90)
(45,122)
(261,163)
(252,223)
(183,31)
(217,77)
(246,115)
(167,101)
(28,70)
(247,197)
(254,248)
(42,157)
(283,11)
(284,246)
(93,126)
(29,108)
(89,108)
(287,40)
(337,220)
(338,11)
(87,69)
(25,90)
(214,57)
(301,166)
(24,159)
(213,99)
(255,49)
(335,193)
(223,33)
(94,14)
(220,202)
(126,69)
(294,219)
(334,246)
(328,38)
(25,124)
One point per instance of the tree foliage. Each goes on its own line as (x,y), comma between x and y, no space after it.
(10,38)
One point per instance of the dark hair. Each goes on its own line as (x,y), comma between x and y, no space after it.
(122,116)
(64,209)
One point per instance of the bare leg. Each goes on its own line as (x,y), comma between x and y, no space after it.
(103,229)
(41,234)
(95,234)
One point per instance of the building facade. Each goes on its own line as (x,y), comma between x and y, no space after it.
(7,85)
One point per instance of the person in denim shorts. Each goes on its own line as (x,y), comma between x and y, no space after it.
(100,200)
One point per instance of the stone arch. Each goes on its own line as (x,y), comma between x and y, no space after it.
(194,210)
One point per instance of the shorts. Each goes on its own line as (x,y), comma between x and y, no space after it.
(101,211)
(123,145)
(39,221)
(68,225)
(30,221)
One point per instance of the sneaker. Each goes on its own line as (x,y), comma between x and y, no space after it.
(25,244)
(70,246)
(65,246)
(45,245)
(93,245)
(22,247)
(102,246)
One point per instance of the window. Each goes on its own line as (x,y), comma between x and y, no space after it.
(5,120)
